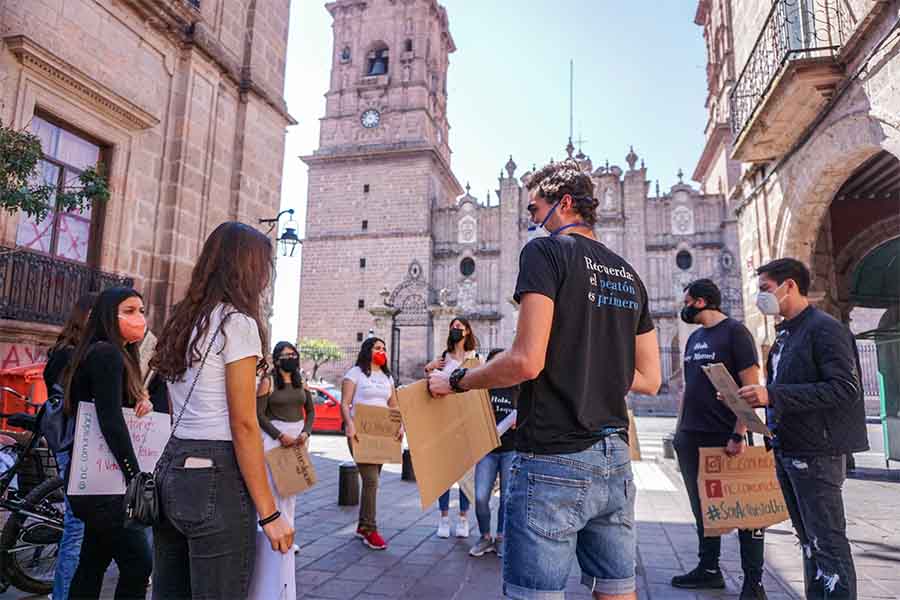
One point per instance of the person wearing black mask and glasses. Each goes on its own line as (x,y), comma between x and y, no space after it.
(706,422)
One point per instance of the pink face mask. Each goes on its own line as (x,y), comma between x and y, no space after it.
(132,327)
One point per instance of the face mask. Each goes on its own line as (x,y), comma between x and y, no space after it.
(689,313)
(132,327)
(540,228)
(289,364)
(379,358)
(768,303)
(456,335)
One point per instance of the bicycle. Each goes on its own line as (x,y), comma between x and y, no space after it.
(29,542)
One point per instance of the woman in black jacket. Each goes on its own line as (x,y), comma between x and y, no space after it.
(105,370)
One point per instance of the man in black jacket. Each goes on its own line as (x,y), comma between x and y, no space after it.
(814,406)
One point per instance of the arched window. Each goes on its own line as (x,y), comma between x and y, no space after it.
(684,260)
(377,63)
(408,45)
(467,267)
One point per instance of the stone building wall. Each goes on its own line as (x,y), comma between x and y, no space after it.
(187,105)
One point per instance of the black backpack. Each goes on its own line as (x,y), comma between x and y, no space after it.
(57,427)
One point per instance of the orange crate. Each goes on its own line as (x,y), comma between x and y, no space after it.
(28,380)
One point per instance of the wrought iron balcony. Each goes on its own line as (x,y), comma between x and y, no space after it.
(789,75)
(42,289)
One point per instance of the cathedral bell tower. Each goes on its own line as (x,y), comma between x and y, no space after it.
(382,165)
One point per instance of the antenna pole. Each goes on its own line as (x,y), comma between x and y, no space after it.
(571,95)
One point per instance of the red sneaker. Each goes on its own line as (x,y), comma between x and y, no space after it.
(374,541)
(360,533)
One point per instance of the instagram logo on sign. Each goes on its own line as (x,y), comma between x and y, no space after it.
(714,489)
(713,464)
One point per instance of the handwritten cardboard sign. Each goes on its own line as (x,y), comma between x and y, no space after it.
(94,469)
(292,470)
(739,492)
(446,436)
(728,391)
(376,440)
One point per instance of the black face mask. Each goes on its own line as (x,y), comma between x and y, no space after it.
(289,364)
(456,335)
(689,313)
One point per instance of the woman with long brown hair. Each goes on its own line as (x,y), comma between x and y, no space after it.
(212,472)
(105,371)
(58,358)
(461,344)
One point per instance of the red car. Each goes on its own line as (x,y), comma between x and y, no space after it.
(328,408)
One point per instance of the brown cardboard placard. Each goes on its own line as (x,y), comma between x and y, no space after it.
(446,436)
(292,470)
(739,492)
(376,440)
(724,383)
(633,441)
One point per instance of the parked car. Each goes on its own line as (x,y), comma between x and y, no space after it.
(327,398)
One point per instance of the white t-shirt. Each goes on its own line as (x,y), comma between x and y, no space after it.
(206,415)
(374,390)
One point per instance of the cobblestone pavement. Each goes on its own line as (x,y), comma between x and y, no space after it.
(332,563)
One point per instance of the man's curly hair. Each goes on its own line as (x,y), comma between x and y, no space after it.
(555,180)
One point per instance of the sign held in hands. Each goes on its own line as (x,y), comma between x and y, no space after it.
(377,430)
(94,470)
(728,391)
(292,470)
(739,492)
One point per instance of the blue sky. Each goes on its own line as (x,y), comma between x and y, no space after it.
(639,80)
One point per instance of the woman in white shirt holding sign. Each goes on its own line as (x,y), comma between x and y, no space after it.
(213,486)
(369,382)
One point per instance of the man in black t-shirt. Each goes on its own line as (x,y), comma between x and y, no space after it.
(706,422)
(584,338)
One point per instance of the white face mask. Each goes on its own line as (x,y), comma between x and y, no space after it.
(768,303)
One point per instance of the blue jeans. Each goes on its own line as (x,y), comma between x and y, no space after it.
(70,544)
(567,506)
(485,474)
(444,502)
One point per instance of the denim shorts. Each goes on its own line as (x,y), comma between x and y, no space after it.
(567,506)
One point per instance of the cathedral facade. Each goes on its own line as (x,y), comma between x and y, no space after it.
(397,248)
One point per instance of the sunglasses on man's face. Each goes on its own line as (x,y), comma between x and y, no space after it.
(532,208)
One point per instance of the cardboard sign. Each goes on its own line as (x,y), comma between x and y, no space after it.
(94,469)
(292,470)
(739,492)
(376,440)
(447,436)
(633,442)
(728,390)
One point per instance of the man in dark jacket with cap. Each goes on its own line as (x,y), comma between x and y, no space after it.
(814,406)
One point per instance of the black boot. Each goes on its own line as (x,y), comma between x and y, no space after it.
(753,590)
(700,578)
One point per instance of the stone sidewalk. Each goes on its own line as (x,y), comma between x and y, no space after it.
(332,563)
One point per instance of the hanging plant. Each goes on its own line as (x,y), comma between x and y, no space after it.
(22,189)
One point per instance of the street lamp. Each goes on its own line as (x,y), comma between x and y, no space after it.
(289,239)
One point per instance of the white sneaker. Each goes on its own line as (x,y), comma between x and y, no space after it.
(462,527)
(444,528)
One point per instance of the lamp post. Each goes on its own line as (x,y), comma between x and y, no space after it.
(289,239)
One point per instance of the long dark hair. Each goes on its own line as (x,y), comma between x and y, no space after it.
(364,358)
(470,343)
(73,330)
(234,268)
(103,326)
(296,380)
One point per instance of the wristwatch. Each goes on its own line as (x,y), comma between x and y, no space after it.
(736,438)
(455,377)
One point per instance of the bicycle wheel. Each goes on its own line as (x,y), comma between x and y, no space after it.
(29,546)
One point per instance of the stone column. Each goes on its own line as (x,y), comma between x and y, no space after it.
(382,320)
(441,317)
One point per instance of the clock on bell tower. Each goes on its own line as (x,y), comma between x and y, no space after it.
(388,77)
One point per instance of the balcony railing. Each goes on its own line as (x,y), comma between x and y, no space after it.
(42,289)
(794,30)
